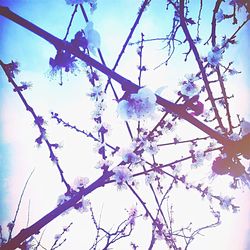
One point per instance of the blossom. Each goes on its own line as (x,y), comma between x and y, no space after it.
(84,205)
(189,88)
(121,175)
(214,56)
(219,16)
(225,42)
(104,164)
(23,86)
(226,202)
(137,106)
(130,157)
(93,38)
(198,159)
(245,127)
(80,182)
(132,215)
(62,198)
(151,147)
(150,178)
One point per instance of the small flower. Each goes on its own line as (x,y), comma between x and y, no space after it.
(224,43)
(84,206)
(151,147)
(132,215)
(226,202)
(121,175)
(245,127)
(189,89)
(80,182)
(214,56)
(62,198)
(233,71)
(97,93)
(24,86)
(137,106)
(93,38)
(198,159)
(104,164)
(100,107)
(219,16)
(130,157)
(150,178)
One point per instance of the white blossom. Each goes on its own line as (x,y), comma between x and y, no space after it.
(150,178)
(85,204)
(80,182)
(139,106)
(245,127)
(214,56)
(62,198)
(93,37)
(121,175)
(132,215)
(225,202)
(96,93)
(103,164)
(151,147)
(189,89)
(219,16)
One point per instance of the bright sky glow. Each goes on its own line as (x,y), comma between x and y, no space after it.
(19,154)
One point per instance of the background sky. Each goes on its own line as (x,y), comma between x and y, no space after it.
(19,154)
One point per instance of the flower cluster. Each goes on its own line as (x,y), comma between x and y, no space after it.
(98,96)
(137,106)
(84,206)
(122,175)
(189,88)
(93,38)
(132,215)
(146,142)
(219,16)
(245,127)
(80,182)
(214,56)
